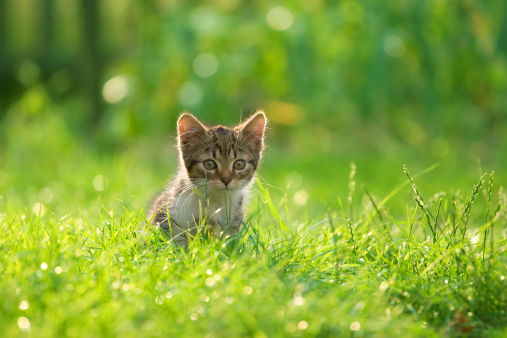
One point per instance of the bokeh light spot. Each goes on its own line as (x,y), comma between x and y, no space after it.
(28,73)
(301,197)
(355,326)
(115,89)
(34,100)
(204,20)
(285,113)
(24,305)
(279,18)
(394,46)
(39,209)
(303,325)
(293,179)
(298,301)
(205,65)
(100,183)
(46,195)
(24,324)
(190,94)
(383,286)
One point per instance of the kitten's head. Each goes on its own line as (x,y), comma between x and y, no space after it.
(221,157)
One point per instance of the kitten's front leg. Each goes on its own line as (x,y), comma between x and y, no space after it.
(235,224)
(219,229)
(175,233)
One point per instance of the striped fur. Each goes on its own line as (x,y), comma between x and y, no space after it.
(215,196)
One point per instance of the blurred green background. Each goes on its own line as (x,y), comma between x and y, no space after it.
(90,92)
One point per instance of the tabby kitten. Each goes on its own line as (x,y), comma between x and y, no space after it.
(216,170)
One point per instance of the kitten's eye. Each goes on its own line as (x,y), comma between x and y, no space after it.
(209,164)
(239,164)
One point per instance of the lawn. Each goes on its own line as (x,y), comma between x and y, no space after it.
(379,208)
(410,260)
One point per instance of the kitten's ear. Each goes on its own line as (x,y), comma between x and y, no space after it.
(189,128)
(253,128)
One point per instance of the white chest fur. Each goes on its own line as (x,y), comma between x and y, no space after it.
(216,208)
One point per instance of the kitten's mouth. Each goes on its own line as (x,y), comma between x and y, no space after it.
(222,187)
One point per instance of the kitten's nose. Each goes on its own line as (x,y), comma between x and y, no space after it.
(226,179)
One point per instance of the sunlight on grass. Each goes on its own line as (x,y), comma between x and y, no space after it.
(332,276)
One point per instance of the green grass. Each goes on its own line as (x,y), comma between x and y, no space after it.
(325,249)
(436,267)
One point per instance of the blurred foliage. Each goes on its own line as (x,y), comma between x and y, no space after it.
(90,91)
(380,83)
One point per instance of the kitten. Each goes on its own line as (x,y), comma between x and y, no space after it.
(216,170)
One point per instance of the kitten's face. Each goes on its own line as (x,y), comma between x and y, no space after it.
(218,157)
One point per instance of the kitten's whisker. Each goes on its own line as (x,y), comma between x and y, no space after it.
(186,202)
(265,182)
(189,198)
(178,198)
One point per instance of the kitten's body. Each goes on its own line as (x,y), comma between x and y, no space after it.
(216,171)
(223,211)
